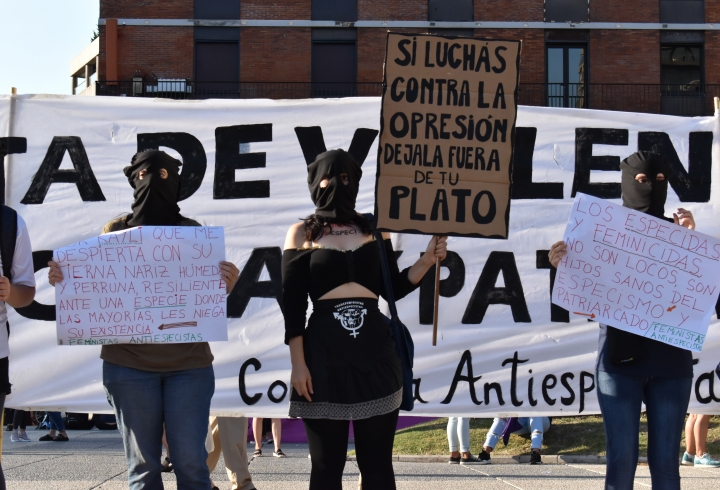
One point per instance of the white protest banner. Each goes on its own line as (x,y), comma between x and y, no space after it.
(503,348)
(145,285)
(638,273)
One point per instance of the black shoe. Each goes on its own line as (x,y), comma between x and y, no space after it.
(471,460)
(454,460)
(166,466)
(484,457)
(535,457)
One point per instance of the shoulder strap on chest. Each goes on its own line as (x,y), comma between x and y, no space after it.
(8,225)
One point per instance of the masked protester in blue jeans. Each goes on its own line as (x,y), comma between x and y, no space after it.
(151,385)
(632,369)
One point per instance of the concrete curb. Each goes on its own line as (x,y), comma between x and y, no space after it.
(525,458)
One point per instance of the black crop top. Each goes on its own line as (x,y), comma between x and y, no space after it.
(318,270)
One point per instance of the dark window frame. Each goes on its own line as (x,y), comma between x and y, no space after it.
(321,89)
(701,85)
(471,11)
(317,13)
(585,18)
(565,45)
(673,15)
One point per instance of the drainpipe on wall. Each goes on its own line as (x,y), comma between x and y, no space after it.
(111,49)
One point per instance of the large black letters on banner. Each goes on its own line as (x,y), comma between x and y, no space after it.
(567,400)
(585,138)
(35,310)
(485,292)
(8,146)
(247,399)
(585,389)
(49,173)
(312,143)
(271,391)
(449,286)
(248,286)
(522,185)
(514,360)
(229,158)
(710,379)
(192,153)
(692,185)
(465,359)
(416,385)
(557,313)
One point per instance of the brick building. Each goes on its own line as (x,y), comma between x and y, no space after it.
(641,55)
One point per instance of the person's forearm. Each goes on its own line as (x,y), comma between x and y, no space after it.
(419,269)
(297,351)
(20,295)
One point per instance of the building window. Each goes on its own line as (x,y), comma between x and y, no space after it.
(217,9)
(566,75)
(566,11)
(217,61)
(334,62)
(338,10)
(682,73)
(451,11)
(682,11)
(681,67)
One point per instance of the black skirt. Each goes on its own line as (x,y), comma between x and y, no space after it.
(349,350)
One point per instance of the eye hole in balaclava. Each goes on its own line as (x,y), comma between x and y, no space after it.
(155,198)
(649,196)
(336,201)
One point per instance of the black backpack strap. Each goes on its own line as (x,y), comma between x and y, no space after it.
(389,293)
(8,225)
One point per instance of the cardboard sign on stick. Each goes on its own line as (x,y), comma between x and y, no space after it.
(638,273)
(447,126)
(145,285)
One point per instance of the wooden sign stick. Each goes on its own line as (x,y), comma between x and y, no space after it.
(437,300)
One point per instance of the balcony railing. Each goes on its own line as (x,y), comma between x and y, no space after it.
(681,100)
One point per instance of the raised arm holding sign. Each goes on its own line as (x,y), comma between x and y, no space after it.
(653,285)
(156,384)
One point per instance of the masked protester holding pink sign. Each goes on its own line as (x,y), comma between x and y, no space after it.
(632,369)
(344,364)
(154,384)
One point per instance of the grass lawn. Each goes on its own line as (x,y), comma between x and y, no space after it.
(568,435)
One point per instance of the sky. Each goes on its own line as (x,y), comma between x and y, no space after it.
(38,38)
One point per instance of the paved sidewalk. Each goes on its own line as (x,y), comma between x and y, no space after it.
(95,460)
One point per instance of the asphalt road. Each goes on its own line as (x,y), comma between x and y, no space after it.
(95,460)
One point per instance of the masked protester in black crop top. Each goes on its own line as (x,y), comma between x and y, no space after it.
(344,364)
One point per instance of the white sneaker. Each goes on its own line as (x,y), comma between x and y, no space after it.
(23,437)
(14,436)
(706,460)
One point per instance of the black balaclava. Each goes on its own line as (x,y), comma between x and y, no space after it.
(336,202)
(155,198)
(648,197)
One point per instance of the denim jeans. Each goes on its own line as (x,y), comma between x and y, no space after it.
(143,401)
(666,401)
(458,433)
(56,421)
(535,426)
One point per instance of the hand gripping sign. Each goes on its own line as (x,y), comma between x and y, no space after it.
(145,285)
(638,273)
